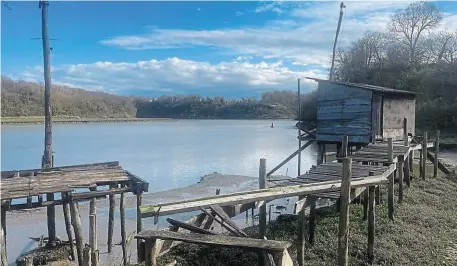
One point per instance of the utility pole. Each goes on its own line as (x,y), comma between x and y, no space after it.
(47,160)
(336,39)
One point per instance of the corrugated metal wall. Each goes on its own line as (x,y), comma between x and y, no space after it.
(343,110)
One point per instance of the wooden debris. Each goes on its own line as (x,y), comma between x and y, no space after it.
(221,213)
(189,227)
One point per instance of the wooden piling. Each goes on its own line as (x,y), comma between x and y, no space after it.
(67,219)
(301,237)
(151,252)
(3,247)
(344,213)
(112,206)
(263,208)
(424,155)
(406,169)
(123,236)
(76,221)
(405,132)
(371,222)
(92,232)
(437,150)
(312,220)
(400,166)
(344,146)
(366,198)
(86,256)
(421,160)
(3,217)
(139,221)
(411,162)
(95,255)
(377,195)
(51,214)
(390,189)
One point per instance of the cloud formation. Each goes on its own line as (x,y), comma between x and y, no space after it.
(175,75)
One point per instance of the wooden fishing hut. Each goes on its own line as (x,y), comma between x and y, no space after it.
(24,189)
(365,113)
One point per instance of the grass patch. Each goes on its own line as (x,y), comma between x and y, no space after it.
(424,232)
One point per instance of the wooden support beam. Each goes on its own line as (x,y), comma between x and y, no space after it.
(95,257)
(92,232)
(406,169)
(343,233)
(285,259)
(123,236)
(87,256)
(312,220)
(405,132)
(51,215)
(344,146)
(299,206)
(68,228)
(366,199)
(76,221)
(263,208)
(424,156)
(377,195)
(401,160)
(3,254)
(437,150)
(221,213)
(112,206)
(411,161)
(139,221)
(390,188)
(290,157)
(371,223)
(151,252)
(212,217)
(441,166)
(191,228)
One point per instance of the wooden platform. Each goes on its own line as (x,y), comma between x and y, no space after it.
(65,179)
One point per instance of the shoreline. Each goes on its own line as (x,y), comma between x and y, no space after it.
(57,120)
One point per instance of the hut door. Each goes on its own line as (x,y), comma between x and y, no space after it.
(376,115)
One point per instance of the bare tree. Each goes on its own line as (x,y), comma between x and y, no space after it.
(409,25)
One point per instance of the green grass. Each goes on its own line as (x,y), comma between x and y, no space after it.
(424,232)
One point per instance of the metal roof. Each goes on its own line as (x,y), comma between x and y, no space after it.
(368,87)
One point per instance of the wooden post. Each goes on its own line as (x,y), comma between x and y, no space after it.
(86,256)
(401,160)
(3,247)
(366,196)
(95,257)
(263,208)
(437,150)
(301,236)
(123,236)
(344,146)
(344,213)
(151,252)
(75,219)
(411,162)
(3,217)
(312,220)
(66,215)
(405,132)
(390,189)
(139,221)
(299,129)
(377,195)
(112,206)
(424,155)
(93,231)
(371,222)
(407,172)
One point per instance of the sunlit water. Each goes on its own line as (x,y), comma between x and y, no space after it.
(168,154)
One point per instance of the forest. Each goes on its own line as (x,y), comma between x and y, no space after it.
(414,54)
(21,99)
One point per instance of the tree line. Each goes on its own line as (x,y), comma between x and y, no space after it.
(413,55)
(22,98)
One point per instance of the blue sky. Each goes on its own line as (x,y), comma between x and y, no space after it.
(233,49)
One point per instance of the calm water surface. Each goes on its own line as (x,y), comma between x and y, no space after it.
(168,154)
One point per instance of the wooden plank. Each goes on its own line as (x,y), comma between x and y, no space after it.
(343,232)
(221,240)
(216,219)
(254,195)
(189,227)
(290,157)
(219,211)
(441,166)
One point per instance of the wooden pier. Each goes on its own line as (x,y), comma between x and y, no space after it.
(75,183)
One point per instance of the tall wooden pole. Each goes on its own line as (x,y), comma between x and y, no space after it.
(343,233)
(47,160)
(299,128)
(336,40)
(263,208)
(437,150)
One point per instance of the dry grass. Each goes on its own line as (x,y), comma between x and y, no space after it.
(424,233)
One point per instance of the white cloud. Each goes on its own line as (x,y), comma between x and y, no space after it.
(176,75)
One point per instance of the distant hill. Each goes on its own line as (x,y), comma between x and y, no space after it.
(23,99)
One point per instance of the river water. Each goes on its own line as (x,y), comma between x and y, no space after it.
(167,154)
